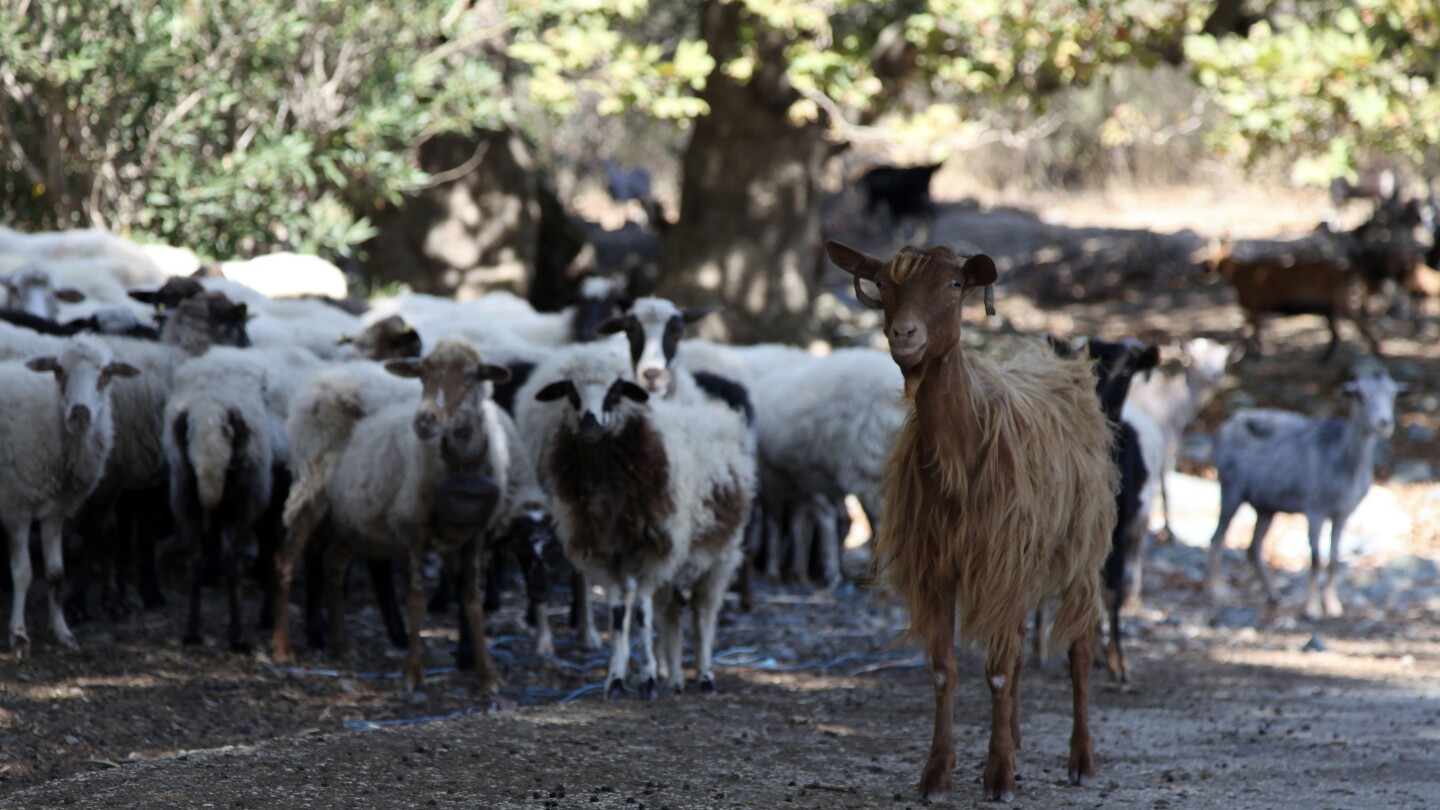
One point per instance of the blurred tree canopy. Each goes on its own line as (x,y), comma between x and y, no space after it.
(231,126)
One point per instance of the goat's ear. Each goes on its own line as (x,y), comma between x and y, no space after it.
(1060,347)
(151,297)
(693,315)
(1148,359)
(116,368)
(408,367)
(610,326)
(630,390)
(69,295)
(852,261)
(556,390)
(43,364)
(495,374)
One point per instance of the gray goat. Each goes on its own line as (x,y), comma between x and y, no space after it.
(1278,461)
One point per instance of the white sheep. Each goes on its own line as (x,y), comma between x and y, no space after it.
(219,447)
(650,498)
(126,261)
(55,441)
(407,479)
(278,275)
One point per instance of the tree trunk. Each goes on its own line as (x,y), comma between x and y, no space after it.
(749,229)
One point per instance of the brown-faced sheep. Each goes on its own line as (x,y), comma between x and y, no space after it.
(999,494)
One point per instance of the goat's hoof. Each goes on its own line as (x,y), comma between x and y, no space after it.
(1333,609)
(707,685)
(935,780)
(1313,611)
(241,647)
(590,642)
(615,690)
(1082,765)
(281,656)
(676,687)
(192,639)
(1079,779)
(999,780)
(154,601)
(648,690)
(67,640)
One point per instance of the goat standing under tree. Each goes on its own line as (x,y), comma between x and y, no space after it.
(999,494)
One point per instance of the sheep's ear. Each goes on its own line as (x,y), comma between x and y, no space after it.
(495,374)
(70,295)
(1060,347)
(43,364)
(409,367)
(151,297)
(556,390)
(117,368)
(610,326)
(1148,359)
(630,390)
(852,261)
(693,315)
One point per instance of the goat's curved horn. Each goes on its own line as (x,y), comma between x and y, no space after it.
(864,297)
(989,300)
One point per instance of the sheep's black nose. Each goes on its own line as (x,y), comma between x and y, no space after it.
(79,417)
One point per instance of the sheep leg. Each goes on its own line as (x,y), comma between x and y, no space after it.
(475,615)
(935,780)
(1115,651)
(802,530)
(585,629)
(1331,595)
(415,603)
(1037,644)
(199,566)
(646,619)
(709,596)
(1312,584)
(286,556)
(337,560)
(52,533)
(537,593)
(1334,338)
(829,540)
(667,622)
(1135,562)
(494,580)
(1082,755)
(772,547)
(620,645)
(1229,505)
(1257,560)
(19,532)
(1171,450)
(230,563)
(999,779)
(382,582)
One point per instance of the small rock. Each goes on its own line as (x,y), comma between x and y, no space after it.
(1235,616)
(1413,567)
(1410,470)
(1315,644)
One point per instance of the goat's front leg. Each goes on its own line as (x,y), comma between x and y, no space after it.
(999,780)
(1331,596)
(415,604)
(709,597)
(18,529)
(1214,575)
(581,612)
(1082,754)
(52,532)
(935,780)
(475,615)
(667,622)
(620,644)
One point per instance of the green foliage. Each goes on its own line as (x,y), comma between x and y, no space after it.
(226,125)
(1326,85)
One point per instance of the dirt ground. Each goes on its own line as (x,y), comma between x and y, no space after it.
(821,704)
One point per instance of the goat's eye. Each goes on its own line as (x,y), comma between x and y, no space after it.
(957,284)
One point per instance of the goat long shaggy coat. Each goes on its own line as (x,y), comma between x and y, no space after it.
(1032,513)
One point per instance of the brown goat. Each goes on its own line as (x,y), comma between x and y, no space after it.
(999,494)
(1290,285)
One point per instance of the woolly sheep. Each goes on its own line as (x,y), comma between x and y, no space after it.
(219,449)
(30,288)
(55,441)
(1278,461)
(128,261)
(278,275)
(398,486)
(650,497)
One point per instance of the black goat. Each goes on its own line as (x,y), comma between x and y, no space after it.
(905,192)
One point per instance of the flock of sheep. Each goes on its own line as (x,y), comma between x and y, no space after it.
(666,469)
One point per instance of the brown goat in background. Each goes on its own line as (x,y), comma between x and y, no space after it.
(1000,493)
